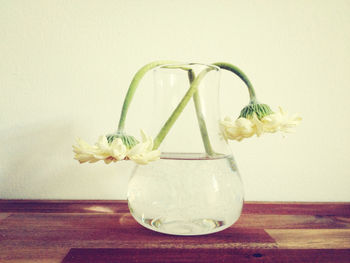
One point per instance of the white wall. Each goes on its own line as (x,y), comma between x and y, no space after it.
(66,65)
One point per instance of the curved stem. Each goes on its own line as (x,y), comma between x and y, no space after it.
(234,69)
(133,86)
(180,107)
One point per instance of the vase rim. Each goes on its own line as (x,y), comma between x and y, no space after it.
(199,156)
(216,68)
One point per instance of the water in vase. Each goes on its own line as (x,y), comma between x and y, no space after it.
(186,194)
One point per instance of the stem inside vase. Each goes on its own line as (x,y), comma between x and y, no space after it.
(180,107)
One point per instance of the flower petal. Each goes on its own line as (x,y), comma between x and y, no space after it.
(143,153)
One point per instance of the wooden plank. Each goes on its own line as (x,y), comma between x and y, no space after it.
(67,221)
(298,208)
(204,255)
(120,206)
(132,237)
(33,255)
(125,220)
(294,231)
(64,206)
(311,238)
(116,230)
(292,221)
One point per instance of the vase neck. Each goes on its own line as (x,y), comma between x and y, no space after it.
(196,130)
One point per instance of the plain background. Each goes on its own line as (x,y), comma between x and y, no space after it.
(65,67)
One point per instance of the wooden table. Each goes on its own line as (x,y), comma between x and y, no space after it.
(104,231)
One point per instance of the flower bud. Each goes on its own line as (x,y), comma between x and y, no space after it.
(128,140)
(261,110)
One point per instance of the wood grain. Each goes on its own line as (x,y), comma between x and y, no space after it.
(17,254)
(109,220)
(104,231)
(84,230)
(292,221)
(3,216)
(205,255)
(311,238)
(298,208)
(63,206)
(115,206)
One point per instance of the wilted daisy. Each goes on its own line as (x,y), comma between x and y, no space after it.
(256,119)
(116,147)
(102,150)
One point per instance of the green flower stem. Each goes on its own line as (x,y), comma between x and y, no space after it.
(241,75)
(180,107)
(199,111)
(200,118)
(133,86)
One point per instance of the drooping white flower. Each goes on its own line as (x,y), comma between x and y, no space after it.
(102,150)
(115,149)
(143,153)
(280,121)
(245,127)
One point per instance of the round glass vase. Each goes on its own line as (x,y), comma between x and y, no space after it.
(195,187)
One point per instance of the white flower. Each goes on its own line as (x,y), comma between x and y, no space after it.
(143,153)
(116,150)
(280,121)
(102,150)
(110,152)
(247,127)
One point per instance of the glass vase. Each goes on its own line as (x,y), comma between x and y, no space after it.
(195,188)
